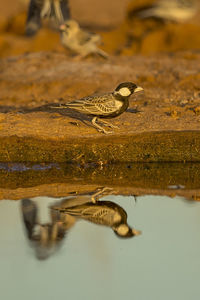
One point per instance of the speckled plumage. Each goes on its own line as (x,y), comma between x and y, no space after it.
(172,10)
(105,106)
(80,41)
(105,213)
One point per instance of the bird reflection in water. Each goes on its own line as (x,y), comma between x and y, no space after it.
(44,238)
(47,238)
(105,213)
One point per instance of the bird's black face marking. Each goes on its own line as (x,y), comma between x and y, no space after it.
(129,85)
(126,89)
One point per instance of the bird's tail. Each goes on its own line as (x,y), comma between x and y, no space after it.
(102,53)
(77,105)
(147,13)
(61,106)
(29,214)
(33,22)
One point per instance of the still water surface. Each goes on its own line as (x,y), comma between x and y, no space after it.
(93,263)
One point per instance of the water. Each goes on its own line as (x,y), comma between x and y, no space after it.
(91,262)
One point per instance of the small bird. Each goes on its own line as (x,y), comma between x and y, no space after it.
(45,238)
(105,213)
(105,106)
(79,41)
(39,9)
(171,10)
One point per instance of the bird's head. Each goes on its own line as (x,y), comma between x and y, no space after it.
(126,89)
(69,26)
(124,231)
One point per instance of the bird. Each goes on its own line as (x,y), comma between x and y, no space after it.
(171,10)
(39,9)
(45,238)
(105,213)
(105,106)
(80,41)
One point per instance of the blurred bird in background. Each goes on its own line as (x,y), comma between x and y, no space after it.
(171,10)
(58,10)
(45,238)
(80,41)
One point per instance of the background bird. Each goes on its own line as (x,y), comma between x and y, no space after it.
(79,41)
(171,10)
(39,9)
(108,105)
(44,238)
(105,213)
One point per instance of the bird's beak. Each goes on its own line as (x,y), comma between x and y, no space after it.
(138,89)
(136,232)
(62,27)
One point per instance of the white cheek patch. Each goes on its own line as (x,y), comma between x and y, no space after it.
(122,230)
(124,92)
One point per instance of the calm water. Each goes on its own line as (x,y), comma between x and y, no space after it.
(93,263)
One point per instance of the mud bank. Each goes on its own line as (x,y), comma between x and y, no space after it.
(19,181)
(162,124)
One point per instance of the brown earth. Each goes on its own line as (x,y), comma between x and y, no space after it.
(162,124)
(19,181)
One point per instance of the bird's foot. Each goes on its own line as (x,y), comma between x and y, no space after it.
(109,124)
(100,128)
(112,126)
(102,53)
(99,194)
(104,131)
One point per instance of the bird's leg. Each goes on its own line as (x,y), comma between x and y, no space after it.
(100,193)
(99,128)
(108,124)
(83,55)
(46,9)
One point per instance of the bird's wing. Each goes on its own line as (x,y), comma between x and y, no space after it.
(82,210)
(85,37)
(108,107)
(96,105)
(102,105)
